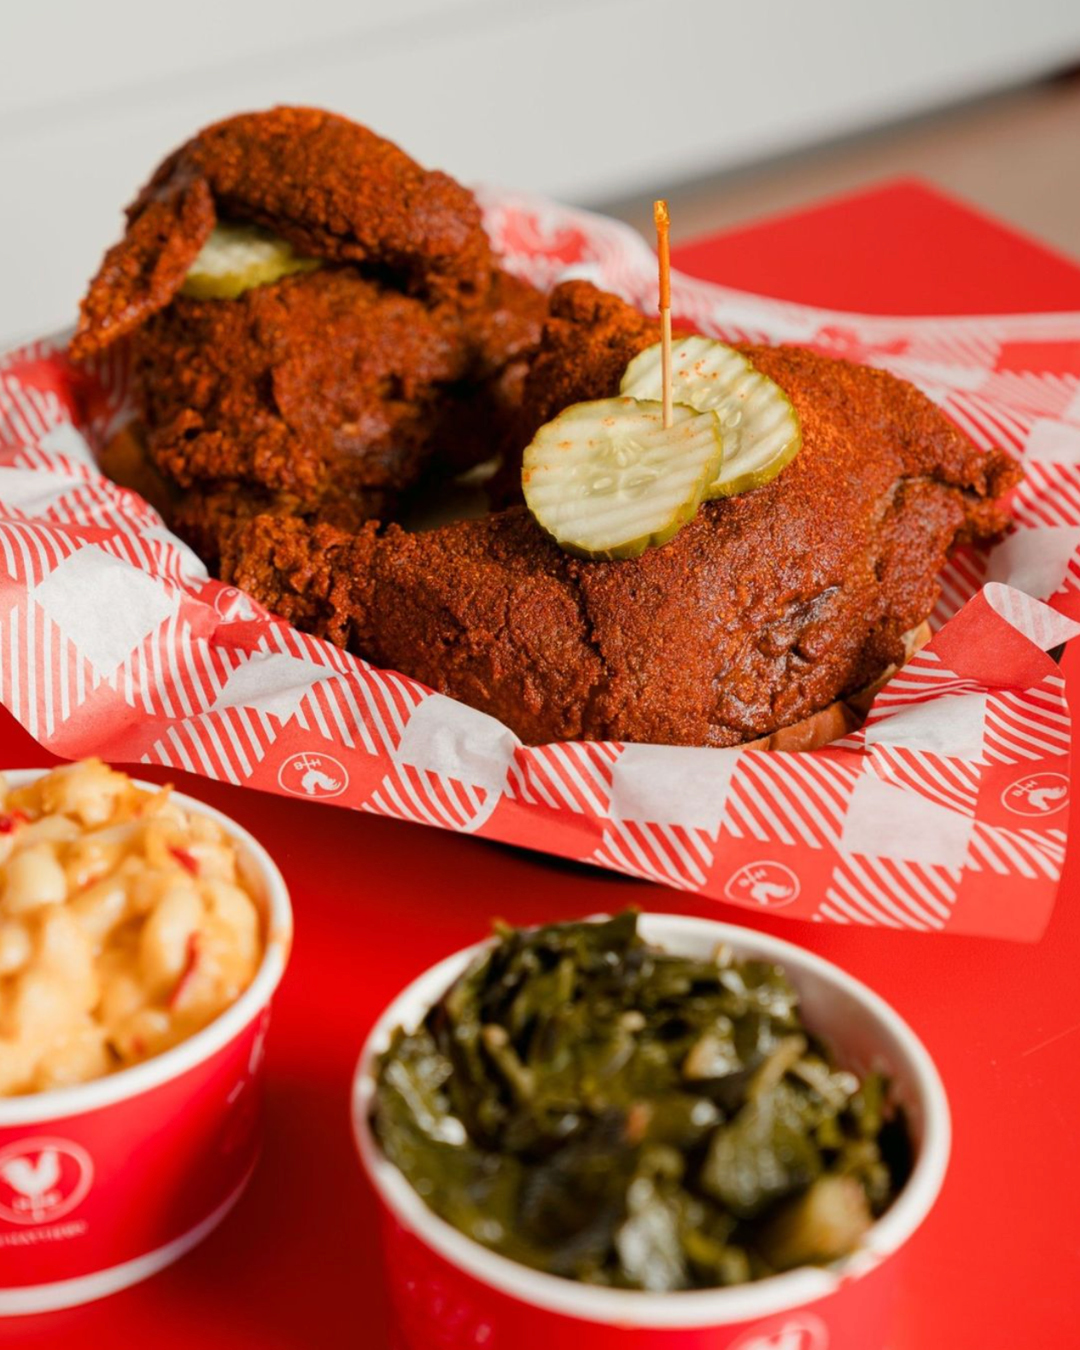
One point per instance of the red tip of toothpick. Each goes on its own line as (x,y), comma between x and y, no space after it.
(663,253)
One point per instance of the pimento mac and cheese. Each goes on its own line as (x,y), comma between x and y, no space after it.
(125,926)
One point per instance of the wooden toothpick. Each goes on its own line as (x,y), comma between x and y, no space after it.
(663,252)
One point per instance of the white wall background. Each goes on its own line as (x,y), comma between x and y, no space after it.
(578,98)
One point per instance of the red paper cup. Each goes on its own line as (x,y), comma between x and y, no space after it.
(105,1183)
(449,1291)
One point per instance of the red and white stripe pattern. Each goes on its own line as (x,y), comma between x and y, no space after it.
(229,745)
(356,704)
(31,550)
(792,799)
(1049,495)
(220,688)
(990,425)
(427,798)
(1032,854)
(943,779)
(674,855)
(43,677)
(26,414)
(573,776)
(1027,724)
(962,577)
(890,893)
(923,679)
(1043,393)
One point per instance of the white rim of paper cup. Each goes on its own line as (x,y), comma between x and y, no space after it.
(689,1308)
(81,1098)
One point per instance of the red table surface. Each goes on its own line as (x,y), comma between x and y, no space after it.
(998,1262)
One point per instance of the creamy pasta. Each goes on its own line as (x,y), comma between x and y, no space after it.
(126,925)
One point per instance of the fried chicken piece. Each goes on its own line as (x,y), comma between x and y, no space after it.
(588,338)
(318,380)
(766,608)
(587,342)
(207,517)
(333,189)
(481,417)
(324,394)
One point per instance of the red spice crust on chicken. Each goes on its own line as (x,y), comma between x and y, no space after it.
(767,608)
(333,189)
(328,393)
(282,423)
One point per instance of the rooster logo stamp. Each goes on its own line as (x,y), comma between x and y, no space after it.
(313,775)
(234,606)
(1037,794)
(803,1331)
(765,883)
(42,1179)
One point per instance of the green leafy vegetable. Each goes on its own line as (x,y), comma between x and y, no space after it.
(609,1112)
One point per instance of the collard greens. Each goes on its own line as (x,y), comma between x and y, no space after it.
(606,1111)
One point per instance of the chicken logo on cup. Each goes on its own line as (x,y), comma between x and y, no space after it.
(1037,794)
(42,1179)
(765,883)
(803,1331)
(313,775)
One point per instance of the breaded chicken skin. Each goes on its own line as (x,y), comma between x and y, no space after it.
(333,189)
(324,394)
(768,607)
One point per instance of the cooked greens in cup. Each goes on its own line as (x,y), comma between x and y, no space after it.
(606,1111)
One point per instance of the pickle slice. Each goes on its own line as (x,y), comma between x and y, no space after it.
(608,480)
(759,425)
(237,257)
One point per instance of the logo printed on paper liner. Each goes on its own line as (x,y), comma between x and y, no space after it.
(234,606)
(802,1331)
(43,1179)
(313,775)
(765,883)
(1037,794)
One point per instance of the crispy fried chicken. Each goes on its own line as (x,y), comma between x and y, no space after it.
(325,394)
(288,419)
(768,607)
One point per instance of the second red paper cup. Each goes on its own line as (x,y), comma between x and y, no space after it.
(451,1293)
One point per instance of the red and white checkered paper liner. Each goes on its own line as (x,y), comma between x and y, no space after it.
(947,811)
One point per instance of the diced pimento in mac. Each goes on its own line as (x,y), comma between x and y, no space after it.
(126,925)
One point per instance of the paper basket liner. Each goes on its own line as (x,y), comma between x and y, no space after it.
(947,810)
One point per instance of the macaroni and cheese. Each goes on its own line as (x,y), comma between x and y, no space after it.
(125,926)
